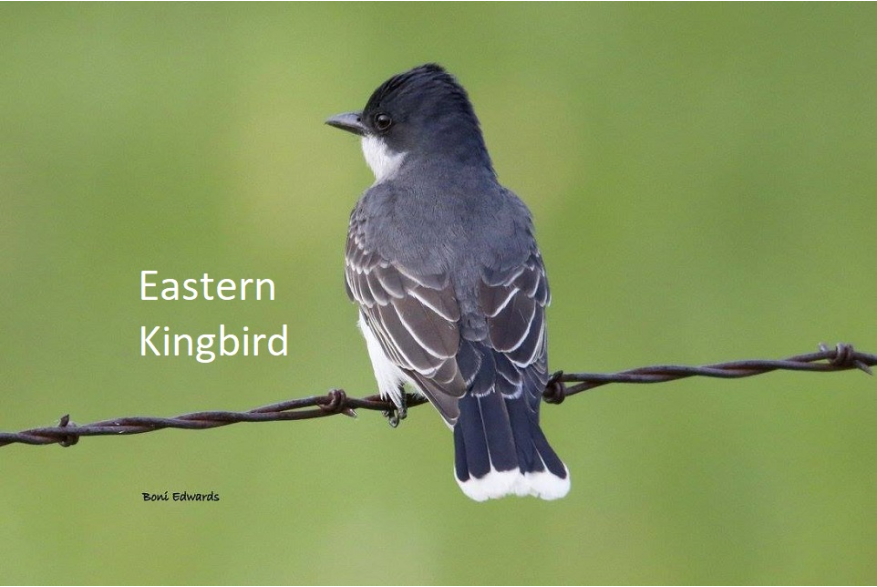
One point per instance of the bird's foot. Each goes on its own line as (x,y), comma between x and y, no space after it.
(400,412)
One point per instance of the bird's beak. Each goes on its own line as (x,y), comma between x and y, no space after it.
(349,121)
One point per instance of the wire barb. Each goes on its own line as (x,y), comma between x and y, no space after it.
(70,439)
(845,357)
(555,390)
(841,358)
(337,403)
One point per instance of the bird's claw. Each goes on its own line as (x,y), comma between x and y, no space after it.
(399,413)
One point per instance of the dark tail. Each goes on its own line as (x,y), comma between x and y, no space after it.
(500,450)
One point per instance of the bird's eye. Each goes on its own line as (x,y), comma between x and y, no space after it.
(383,122)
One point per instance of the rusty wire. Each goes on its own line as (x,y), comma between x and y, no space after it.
(841,358)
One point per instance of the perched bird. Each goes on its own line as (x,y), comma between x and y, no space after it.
(450,283)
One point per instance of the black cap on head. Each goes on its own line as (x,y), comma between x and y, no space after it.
(427,91)
(422,111)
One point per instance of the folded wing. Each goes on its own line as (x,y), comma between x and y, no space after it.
(415,319)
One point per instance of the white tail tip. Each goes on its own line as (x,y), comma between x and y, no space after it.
(496,484)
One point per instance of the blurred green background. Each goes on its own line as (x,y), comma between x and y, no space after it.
(703,183)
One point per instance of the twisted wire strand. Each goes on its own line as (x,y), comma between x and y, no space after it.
(841,358)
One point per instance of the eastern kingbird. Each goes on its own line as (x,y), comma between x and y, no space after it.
(450,283)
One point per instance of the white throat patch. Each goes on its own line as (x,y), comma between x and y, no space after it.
(383,162)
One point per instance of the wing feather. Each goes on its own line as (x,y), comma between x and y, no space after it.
(414,318)
(513,302)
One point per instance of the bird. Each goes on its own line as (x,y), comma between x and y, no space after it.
(451,286)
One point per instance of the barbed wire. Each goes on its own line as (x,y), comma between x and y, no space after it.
(841,358)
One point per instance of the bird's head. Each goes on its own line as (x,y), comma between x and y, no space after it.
(420,115)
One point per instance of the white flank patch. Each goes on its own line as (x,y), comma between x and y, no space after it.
(383,162)
(387,374)
(496,484)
